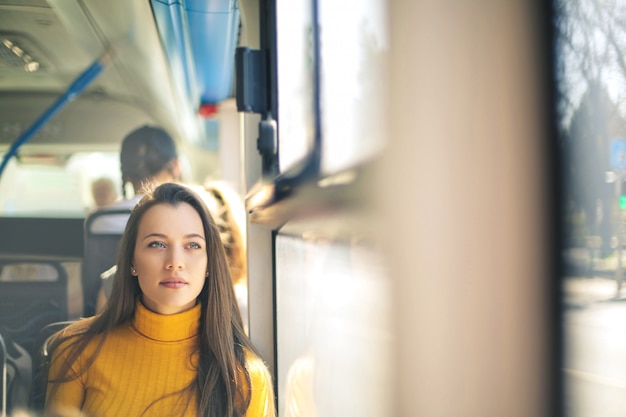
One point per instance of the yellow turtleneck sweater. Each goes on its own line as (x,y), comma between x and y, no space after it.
(141,362)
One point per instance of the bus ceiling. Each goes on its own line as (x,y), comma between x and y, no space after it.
(174,63)
(75,89)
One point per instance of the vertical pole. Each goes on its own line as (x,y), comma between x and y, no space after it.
(3,376)
(619,276)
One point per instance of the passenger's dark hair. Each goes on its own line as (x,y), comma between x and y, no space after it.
(223,382)
(145,152)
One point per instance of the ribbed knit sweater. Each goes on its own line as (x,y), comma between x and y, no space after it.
(140,363)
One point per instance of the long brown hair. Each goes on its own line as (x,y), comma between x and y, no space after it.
(219,385)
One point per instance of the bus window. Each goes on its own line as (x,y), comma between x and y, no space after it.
(353,57)
(295,33)
(591,121)
(46,185)
(353,47)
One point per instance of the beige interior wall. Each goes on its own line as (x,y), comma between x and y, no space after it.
(462,189)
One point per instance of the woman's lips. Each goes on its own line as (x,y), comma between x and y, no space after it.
(173,283)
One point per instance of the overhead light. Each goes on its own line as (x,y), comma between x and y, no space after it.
(17,51)
(12,54)
(30,65)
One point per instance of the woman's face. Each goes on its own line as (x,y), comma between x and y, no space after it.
(170,259)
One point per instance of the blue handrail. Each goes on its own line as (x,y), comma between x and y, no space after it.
(74,90)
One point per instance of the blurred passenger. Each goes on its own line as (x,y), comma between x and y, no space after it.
(103,192)
(170,341)
(226,206)
(148,157)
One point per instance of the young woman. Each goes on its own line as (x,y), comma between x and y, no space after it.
(170,340)
(227,209)
(148,156)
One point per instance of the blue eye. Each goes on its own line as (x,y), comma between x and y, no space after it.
(156,244)
(194,245)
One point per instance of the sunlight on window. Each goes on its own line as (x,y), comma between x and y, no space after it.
(353,54)
(353,47)
(295,86)
(40,190)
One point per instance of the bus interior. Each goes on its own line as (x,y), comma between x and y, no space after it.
(392,158)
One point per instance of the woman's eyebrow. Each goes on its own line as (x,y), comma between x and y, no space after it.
(150,235)
(164,236)
(192,235)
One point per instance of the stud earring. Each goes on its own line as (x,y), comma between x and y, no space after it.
(207,274)
(134,271)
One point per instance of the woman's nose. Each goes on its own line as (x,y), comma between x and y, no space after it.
(175,259)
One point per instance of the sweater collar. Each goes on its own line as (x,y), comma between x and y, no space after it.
(167,328)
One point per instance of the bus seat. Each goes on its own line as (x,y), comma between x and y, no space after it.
(33,293)
(41,363)
(17,371)
(102,234)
